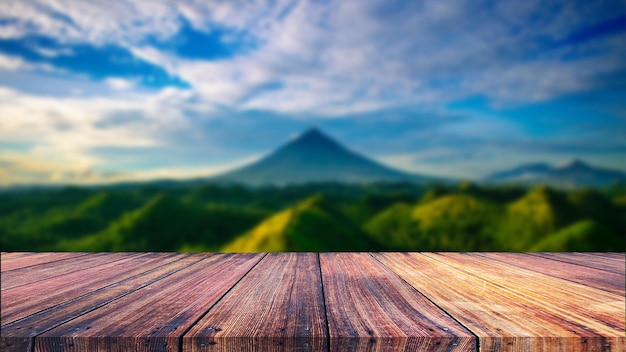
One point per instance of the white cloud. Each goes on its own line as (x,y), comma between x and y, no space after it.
(340,57)
(119,83)
(47,166)
(14,63)
(11,63)
(61,134)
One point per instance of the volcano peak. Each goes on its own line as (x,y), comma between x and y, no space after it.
(313,156)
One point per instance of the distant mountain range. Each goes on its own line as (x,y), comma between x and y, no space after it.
(571,175)
(315,157)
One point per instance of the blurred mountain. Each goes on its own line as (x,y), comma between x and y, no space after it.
(571,175)
(314,157)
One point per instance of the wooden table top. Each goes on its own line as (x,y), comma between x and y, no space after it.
(312,302)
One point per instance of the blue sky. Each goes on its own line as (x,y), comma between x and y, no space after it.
(95,91)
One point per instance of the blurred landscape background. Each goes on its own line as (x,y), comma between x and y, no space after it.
(312,125)
(315,195)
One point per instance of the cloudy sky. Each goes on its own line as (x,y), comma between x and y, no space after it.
(104,91)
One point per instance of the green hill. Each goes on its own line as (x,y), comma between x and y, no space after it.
(586,235)
(165,223)
(312,225)
(333,216)
(43,228)
(393,228)
(540,212)
(455,222)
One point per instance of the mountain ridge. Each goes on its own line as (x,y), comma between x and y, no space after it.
(314,157)
(573,174)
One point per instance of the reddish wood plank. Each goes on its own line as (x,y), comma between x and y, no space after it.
(589,260)
(600,279)
(19,335)
(31,259)
(155,317)
(600,313)
(612,255)
(278,306)
(507,307)
(28,299)
(11,255)
(45,271)
(369,308)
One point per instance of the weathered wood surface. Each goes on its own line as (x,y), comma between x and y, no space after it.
(312,302)
(604,280)
(12,261)
(155,317)
(512,308)
(590,260)
(612,255)
(279,308)
(19,335)
(43,271)
(366,299)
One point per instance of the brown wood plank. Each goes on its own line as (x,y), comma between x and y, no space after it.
(45,271)
(31,259)
(612,255)
(605,263)
(513,309)
(12,255)
(278,306)
(154,317)
(600,279)
(370,308)
(25,300)
(19,335)
(559,293)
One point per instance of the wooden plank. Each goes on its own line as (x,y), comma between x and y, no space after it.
(600,279)
(612,255)
(11,255)
(31,259)
(154,317)
(29,275)
(369,308)
(514,309)
(278,306)
(605,263)
(610,307)
(19,335)
(28,299)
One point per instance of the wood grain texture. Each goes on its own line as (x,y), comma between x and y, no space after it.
(155,317)
(611,255)
(277,307)
(605,263)
(600,279)
(369,308)
(22,301)
(24,260)
(5,255)
(19,335)
(514,309)
(288,301)
(44,271)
